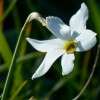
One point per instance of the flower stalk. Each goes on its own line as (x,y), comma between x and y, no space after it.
(31,17)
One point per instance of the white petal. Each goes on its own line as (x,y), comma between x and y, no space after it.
(67,63)
(78,21)
(58,28)
(86,40)
(47,62)
(47,45)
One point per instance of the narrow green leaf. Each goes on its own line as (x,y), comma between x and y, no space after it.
(18,90)
(95,14)
(85,65)
(23,59)
(10,7)
(5,49)
(18,72)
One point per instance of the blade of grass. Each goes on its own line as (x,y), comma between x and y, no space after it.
(18,90)
(8,10)
(1,13)
(1,24)
(5,49)
(22,59)
(85,66)
(4,46)
(18,72)
(95,14)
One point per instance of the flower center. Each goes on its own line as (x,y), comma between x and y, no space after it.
(70,46)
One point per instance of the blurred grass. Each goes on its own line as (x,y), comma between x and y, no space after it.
(24,58)
(18,71)
(5,49)
(95,14)
(1,13)
(4,46)
(85,66)
(8,10)
(18,90)
(52,85)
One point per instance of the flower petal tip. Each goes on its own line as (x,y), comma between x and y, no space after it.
(27,39)
(33,77)
(66,73)
(83,5)
(63,73)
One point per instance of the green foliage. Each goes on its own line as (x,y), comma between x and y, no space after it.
(51,86)
(5,49)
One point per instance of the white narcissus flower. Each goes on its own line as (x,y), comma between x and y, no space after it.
(74,37)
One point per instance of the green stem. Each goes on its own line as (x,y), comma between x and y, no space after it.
(13,62)
(12,66)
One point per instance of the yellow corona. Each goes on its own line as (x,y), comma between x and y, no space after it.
(70,46)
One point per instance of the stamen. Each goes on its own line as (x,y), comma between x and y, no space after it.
(70,46)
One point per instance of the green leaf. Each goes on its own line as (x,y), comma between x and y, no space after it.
(18,90)
(18,72)
(95,14)
(5,49)
(8,10)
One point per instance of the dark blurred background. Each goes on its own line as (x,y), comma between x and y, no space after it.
(51,86)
